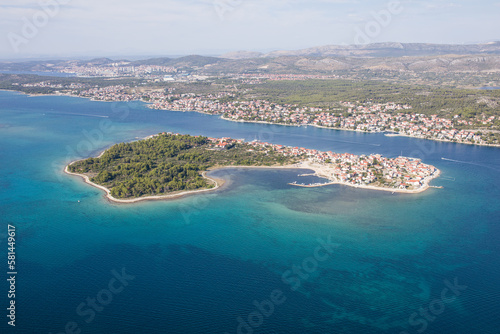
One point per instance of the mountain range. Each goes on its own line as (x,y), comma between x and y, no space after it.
(416,57)
(376,50)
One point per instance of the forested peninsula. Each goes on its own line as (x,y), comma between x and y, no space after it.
(168,164)
(171,165)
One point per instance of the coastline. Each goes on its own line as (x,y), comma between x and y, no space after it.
(387,133)
(297,125)
(151,106)
(320,172)
(218,183)
(36,94)
(398,134)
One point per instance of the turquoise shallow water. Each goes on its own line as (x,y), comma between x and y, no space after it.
(200,262)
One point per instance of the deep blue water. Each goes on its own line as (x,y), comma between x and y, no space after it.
(201,262)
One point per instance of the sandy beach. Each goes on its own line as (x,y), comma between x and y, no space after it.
(217,184)
(319,170)
(323,171)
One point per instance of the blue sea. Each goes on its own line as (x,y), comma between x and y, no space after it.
(258,256)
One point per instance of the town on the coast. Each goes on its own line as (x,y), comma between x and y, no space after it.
(366,118)
(391,118)
(374,170)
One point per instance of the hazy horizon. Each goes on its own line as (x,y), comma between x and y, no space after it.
(45,29)
(134,57)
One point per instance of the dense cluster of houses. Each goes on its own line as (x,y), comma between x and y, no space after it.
(374,169)
(48,84)
(118,69)
(370,118)
(382,117)
(262,77)
(110,93)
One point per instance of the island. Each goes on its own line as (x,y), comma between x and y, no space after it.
(169,165)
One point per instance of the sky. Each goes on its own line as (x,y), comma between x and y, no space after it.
(72,28)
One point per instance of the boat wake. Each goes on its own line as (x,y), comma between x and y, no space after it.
(72,114)
(355,142)
(345,141)
(470,163)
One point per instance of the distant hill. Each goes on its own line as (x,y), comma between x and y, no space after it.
(187,61)
(377,50)
(242,55)
(400,57)
(30,65)
(329,64)
(99,61)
